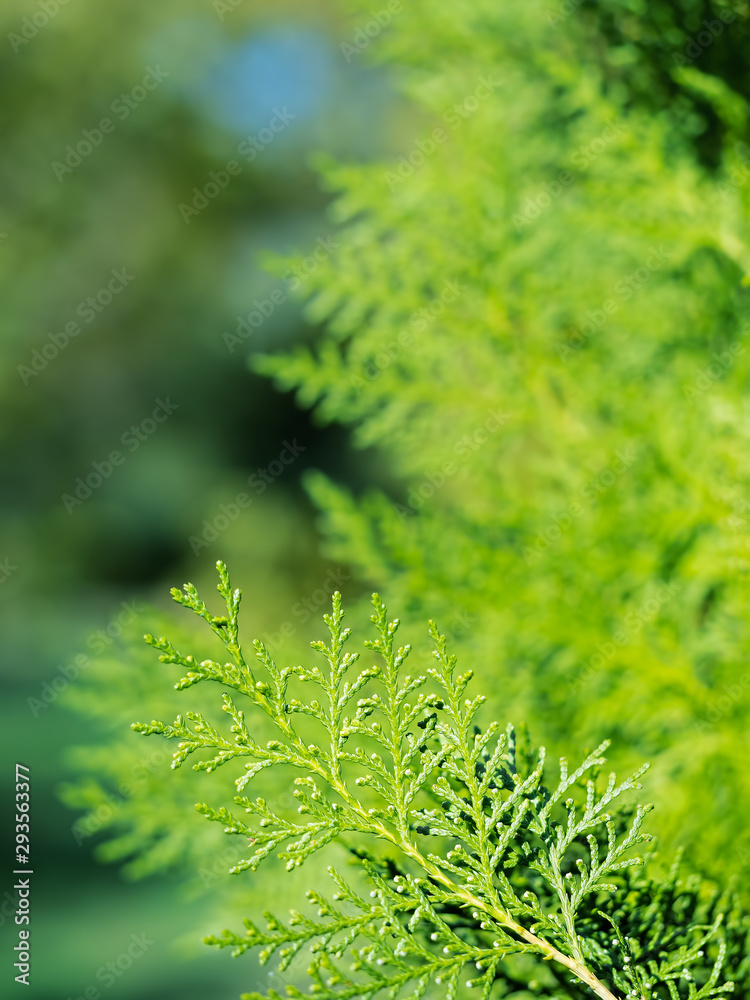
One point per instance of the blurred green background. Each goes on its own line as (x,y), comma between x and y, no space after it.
(189,148)
(218,77)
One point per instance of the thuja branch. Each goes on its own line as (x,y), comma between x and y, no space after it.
(487,860)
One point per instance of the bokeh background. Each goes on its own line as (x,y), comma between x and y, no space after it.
(189,147)
(224,76)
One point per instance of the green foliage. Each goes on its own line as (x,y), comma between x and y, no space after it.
(117,783)
(542,324)
(486,862)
